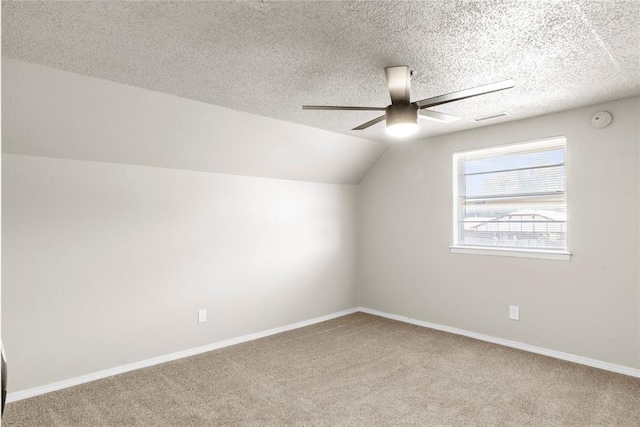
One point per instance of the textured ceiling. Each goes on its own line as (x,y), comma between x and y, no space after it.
(269,58)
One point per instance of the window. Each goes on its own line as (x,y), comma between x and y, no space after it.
(511,200)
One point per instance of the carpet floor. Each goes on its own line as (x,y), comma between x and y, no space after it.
(357,370)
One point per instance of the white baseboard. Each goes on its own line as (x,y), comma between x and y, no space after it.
(19,395)
(514,344)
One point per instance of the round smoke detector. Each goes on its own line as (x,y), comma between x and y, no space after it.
(601,119)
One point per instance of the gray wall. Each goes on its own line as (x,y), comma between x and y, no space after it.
(588,306)
(107,264)
(55,113)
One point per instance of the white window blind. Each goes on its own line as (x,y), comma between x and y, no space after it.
(512,196)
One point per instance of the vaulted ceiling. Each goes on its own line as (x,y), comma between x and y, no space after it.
(268,58)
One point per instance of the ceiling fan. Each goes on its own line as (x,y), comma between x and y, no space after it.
(402,115)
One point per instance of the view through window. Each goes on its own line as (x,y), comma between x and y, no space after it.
(512,196)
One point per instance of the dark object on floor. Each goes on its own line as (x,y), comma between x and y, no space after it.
(4,379)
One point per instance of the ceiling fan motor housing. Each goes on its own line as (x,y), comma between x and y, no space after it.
(401,113)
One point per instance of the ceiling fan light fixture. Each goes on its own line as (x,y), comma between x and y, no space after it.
(402,130)
(402,115)
(402,120)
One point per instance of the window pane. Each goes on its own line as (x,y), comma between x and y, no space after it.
(514,160)
(512,196)
(544,180)
(508,224)
(500,207)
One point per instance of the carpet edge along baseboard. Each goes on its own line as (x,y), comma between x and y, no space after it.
(607,366)
(19,395)
(35,391)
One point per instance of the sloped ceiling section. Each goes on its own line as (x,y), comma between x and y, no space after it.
(269,58)
(54,113)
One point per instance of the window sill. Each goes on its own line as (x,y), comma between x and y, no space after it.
(512,252)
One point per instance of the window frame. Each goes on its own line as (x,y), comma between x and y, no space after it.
(540,253)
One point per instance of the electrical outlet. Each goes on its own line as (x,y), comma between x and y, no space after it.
(514,312)
(202,316)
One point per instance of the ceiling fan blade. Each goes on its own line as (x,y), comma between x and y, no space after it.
(399,84)
(435,115)
(337,107)
(370,123)
(464,94)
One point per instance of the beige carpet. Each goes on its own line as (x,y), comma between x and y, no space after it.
(355,370)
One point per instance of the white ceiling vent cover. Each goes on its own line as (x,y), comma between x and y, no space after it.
(491,117)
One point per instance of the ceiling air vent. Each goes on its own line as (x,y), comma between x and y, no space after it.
(491,117)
